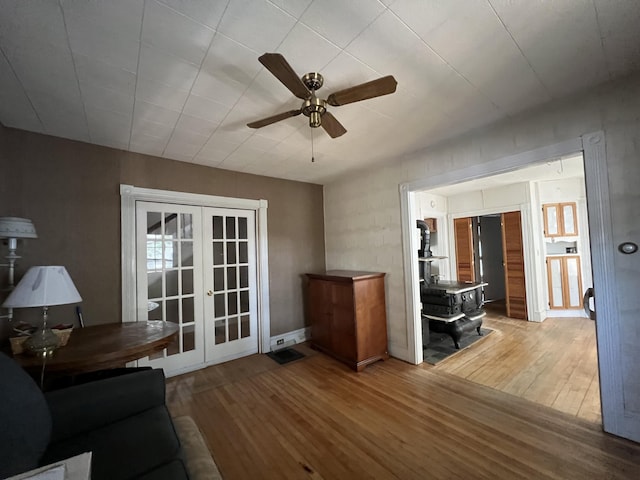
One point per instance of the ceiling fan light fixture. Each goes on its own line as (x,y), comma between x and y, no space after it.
(315,119)
(314,108)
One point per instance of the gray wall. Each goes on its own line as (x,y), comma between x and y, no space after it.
(71,191)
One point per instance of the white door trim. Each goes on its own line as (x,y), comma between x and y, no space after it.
(130,194)
(602,254)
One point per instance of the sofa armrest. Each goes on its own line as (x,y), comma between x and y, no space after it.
(84,407)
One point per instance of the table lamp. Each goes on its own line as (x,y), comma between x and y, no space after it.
(43,287)
(14,228)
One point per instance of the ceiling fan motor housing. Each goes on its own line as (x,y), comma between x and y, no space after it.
(313,81)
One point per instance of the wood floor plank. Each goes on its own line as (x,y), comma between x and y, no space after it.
(317,419)
(590,407)
(552,363)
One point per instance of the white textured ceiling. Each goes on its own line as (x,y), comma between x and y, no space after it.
(181,78)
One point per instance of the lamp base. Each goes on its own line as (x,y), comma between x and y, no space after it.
(43,342)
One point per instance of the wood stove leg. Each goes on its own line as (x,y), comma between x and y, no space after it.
(455,336)
(478,330)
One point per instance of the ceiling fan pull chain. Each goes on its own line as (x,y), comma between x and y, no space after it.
(312,157)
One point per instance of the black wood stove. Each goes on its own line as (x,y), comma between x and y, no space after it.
(450,307)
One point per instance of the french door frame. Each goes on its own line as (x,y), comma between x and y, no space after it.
(130,194)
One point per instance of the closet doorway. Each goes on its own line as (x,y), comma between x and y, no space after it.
(489,249)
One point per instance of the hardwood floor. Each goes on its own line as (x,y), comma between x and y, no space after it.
(553,363)
(317,419)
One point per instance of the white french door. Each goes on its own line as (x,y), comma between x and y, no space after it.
(230,309)
(169,278)
(196,267)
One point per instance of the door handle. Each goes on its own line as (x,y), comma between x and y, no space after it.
(585,303)
(210,292)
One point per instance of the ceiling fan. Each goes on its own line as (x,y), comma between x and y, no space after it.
(313,107)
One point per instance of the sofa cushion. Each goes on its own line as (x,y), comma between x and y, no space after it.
(151,441)
(24,417)
(81,408)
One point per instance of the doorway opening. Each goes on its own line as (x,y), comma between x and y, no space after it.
(617,419)
(490,265)
(501,238)
(613,406)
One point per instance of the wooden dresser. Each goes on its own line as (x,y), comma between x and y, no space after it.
(348,316)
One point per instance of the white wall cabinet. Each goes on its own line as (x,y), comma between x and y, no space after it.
(560,219)
(565,282)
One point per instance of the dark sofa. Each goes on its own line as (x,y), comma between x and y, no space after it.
(122,420)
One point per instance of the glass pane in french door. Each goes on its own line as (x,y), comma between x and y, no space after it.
(230,279)
(169,278)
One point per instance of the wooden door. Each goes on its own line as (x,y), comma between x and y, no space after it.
(465,268)
(513,256)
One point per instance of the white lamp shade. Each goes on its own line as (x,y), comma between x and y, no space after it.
(15,227)
(43,287)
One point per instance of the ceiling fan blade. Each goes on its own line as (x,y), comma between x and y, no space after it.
(280,68)
(273,119)
(332,126)
(364,91)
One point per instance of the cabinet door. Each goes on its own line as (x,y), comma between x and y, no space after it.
(565,282)
(569,224)
(320,312)
(573,282)
(343,334)
(371,318)
(554,277)
(551,220)
(560,219)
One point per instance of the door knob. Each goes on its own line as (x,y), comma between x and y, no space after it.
(210,292)
(585,303)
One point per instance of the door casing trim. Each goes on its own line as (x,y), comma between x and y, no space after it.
(130,194)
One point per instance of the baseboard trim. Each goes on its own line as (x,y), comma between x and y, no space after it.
(289,338)
(565,313)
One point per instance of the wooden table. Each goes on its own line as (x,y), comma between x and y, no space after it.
(105,346)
